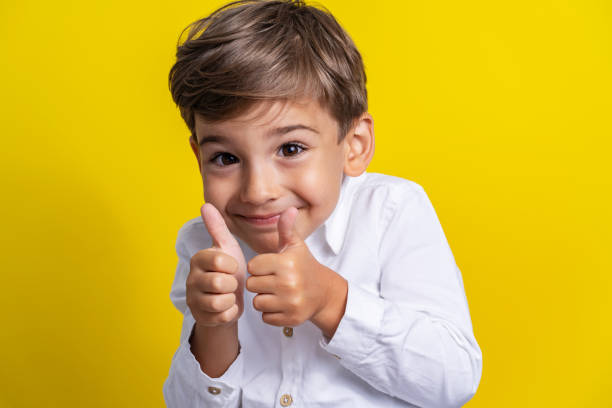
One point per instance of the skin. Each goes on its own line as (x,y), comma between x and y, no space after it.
(271,176)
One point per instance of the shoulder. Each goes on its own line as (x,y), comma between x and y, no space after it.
(380,202)
(397,212)
(192,237)
(390,191)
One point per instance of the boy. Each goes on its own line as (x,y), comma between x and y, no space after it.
(306,282)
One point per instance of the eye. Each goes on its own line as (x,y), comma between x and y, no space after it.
(291,149)
(224,159)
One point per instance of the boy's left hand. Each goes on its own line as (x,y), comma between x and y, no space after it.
(292,286)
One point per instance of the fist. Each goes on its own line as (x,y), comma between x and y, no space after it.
(292,286)
(215,284)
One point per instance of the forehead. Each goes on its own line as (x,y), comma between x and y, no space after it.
(264,115)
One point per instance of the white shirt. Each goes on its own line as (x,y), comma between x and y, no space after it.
(406,336)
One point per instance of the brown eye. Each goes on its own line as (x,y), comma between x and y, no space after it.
(224,159)
(291,149)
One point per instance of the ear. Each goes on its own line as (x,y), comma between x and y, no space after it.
(359,146)
(196,150)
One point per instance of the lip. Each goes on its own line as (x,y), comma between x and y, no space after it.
(260,220)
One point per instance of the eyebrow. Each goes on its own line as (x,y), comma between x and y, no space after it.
(279,131)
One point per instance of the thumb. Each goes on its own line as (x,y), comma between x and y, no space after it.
(215,224)
(287,235)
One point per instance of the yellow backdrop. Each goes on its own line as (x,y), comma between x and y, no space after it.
(501,110)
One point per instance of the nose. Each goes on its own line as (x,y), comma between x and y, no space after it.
(259,184)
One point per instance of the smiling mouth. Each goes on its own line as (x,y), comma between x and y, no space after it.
(266,220)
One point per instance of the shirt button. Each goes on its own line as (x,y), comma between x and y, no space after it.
(288,331)
(286,400)
(214,390)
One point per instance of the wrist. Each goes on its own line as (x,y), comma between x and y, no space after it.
(328,317)
(215,347)
(205,337)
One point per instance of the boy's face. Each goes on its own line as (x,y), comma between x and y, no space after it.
(276,155)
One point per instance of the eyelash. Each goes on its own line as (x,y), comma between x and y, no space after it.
(300,146)
(215,159)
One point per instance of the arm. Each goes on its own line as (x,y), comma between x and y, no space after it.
(412,340)
(207,367)
(215,348)
(188,385)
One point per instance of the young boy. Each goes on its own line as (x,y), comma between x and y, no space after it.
(306,282)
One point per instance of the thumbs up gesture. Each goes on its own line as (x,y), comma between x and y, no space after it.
(292,286)
(215,283)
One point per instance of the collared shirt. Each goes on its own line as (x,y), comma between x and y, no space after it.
(406,336)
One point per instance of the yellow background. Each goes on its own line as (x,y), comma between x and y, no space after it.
(501,110)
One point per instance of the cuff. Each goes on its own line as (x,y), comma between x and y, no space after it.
(356,334)
(223,391)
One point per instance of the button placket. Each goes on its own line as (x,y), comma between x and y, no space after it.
(291,366)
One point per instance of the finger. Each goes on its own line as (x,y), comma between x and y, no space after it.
(213,260)
(215,224)
(267,303)
(264,264)
(287,235)
(261,284)
(275,319)
(215,303)
(215,282)
(215,319)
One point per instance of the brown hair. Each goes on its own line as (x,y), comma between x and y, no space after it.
(254,50)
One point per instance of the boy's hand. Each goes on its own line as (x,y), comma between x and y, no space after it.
(216,279)
(292,286)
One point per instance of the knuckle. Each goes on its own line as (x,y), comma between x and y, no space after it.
(226,316)
(216,283)
(288,263)
(290,283)
(294,302)
(216,304)
(217,261)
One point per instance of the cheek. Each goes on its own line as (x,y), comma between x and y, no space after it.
(217,192)
(320,183)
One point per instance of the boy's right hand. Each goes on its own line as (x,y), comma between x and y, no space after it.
(215,284)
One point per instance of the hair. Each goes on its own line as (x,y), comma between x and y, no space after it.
(256,50)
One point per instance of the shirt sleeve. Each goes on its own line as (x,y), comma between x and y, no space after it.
(187,385)
(413,340)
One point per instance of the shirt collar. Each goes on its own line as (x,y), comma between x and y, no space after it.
(337,223)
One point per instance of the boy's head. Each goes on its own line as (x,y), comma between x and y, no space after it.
(274,95)
(249,51)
